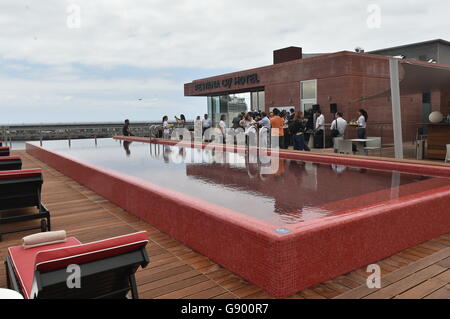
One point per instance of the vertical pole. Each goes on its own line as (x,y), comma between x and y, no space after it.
(396,107)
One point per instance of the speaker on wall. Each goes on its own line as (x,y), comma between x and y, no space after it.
(333,108)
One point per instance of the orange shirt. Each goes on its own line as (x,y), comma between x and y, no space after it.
(277,124)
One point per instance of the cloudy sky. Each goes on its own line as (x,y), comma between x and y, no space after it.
(84,60)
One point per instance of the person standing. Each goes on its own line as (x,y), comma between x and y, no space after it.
(287,136)
(277,124)
(198,131)
(181,122)
(362,123)
(166,128)
(264,124)
(320,130)
(292,114)
(247,122)
(339,124)
(222,126)
(206,123)
(237,120)
(126,129)
(297,129)
(265,121)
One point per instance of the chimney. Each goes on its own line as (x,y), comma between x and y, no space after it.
(287,54)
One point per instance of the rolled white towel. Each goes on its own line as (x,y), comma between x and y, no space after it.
(43,239)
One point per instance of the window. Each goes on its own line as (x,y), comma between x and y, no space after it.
(258,101)
(309,90)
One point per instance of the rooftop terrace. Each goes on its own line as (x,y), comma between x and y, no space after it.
(176,271)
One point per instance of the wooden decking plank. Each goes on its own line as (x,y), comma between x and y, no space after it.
(335,286)
(445,263)
(407,283)
(208,293)
(427,288)
(246,290)
(166,281)
(209,269)
(402,273)
(347,282)
(325,291)
(172,287)
(233,284)
(260,295)
(311,294)
(227,295)
(443,293)
(189,290)
(145,277)
(152,270)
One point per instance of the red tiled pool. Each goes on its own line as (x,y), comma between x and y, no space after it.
(315,218)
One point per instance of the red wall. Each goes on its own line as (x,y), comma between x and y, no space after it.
(345,78)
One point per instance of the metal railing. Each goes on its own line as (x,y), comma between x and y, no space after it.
(40,132)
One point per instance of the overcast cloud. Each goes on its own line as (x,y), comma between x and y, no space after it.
(124,51)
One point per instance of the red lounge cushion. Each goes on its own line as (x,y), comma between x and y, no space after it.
(55,259)
(20,174)
(9,158)
(23,262)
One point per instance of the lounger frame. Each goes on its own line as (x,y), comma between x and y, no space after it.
(109,278)
(10,164)
(5,151)
(21,193)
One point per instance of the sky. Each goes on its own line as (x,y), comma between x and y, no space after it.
(107,60)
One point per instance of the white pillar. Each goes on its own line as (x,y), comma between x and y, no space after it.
(396,107)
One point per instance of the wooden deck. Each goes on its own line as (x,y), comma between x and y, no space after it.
(178,272)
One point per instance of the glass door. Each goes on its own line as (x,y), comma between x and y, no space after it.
(308,94)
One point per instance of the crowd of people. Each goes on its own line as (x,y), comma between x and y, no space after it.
(290,128)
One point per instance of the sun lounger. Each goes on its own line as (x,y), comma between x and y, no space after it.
(72,270)
(10,163)
(22,189)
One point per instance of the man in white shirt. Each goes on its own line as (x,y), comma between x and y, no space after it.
(206,123)
(320,130)
(320,122)
(340,124)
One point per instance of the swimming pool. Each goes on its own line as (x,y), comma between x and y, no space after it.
(308,222)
